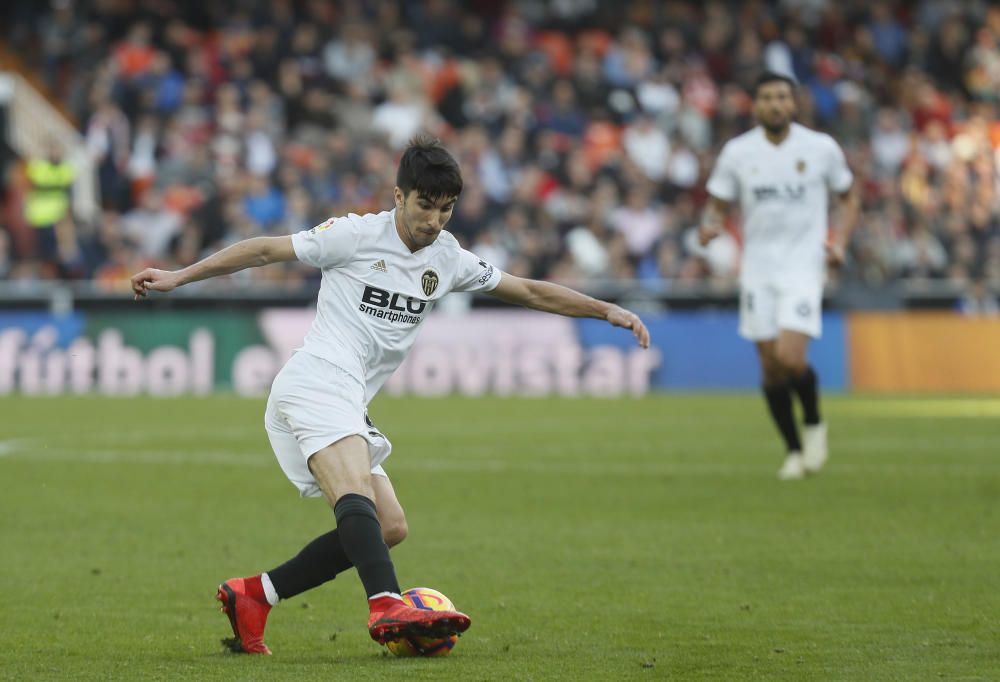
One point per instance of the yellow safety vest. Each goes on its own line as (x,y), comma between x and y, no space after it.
(48,199)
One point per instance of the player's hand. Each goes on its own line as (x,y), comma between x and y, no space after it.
(834,254)
(620,317)
(707,233)
(152,279)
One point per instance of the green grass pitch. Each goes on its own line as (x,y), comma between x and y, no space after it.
(589,540)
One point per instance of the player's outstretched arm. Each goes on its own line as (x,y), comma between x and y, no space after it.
(712,220)
(553,298)
(249,253)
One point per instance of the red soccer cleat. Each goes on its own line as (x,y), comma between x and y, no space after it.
(400,620)
(247,615)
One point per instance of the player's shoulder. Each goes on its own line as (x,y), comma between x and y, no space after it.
(446,241)
(350,221)
(447,253)
(814,137)
(380,219)
(743,143)
(369,226)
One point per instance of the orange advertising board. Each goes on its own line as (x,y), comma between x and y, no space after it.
(923,352)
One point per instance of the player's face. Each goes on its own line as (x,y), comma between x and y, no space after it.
(422,218)
(774,106)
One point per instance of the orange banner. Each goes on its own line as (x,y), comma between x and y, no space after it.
(923,352)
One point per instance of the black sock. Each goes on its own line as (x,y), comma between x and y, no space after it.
(320,561)
(779,401)
(806,386)
(361,537)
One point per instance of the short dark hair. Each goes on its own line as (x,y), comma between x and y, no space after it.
(429,168)
(772,77)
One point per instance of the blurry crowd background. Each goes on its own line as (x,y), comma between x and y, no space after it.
(585,129)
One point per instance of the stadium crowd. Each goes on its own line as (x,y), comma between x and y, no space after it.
(585,128)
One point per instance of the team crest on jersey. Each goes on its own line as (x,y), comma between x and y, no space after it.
(325,225)
(800,166)
(429,282)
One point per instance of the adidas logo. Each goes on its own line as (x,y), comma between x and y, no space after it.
(380,266)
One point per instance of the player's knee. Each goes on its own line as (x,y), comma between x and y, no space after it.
(792,363)
(772,371)
(394,531)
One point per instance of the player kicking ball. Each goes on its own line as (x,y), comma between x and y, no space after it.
(781,173)
(381,276)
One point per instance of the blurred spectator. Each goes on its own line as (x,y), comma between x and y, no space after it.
(589,255)
(977,301)
(629,61)
(6,255)
(888,34)
(151,227)
(59,37)
(718,262)
(562,114)
(639,221)
(400,117)
(143,159)
(648,147)
(134,56)
(890,142)
(983,79)
(350,57)
(263,202)
(47,206)
(683,168)
(920,255)
(108,140)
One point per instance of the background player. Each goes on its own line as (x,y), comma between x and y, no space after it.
(382,274)
(781,173)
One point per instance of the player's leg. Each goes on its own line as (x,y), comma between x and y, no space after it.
(247,601)
(759,323)
(800,319)
(779,403)
(343,471)
(791,351)
(324,558)
(391,516)
(323,407)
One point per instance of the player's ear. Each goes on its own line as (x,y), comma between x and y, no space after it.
(397,194)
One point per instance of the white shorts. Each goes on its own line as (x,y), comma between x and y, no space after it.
(313,404)
(766,308)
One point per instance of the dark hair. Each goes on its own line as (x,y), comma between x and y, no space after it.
(427,167)
(772,77)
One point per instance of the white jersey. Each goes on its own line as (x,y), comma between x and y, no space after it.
(375,293)
(783,192)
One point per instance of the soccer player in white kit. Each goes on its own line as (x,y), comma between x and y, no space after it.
(382,275)
(781,173)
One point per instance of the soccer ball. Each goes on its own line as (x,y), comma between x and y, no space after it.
(432,600)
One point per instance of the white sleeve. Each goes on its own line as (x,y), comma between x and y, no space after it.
(723,183)
(475,274)
(838,177)
(329,244)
